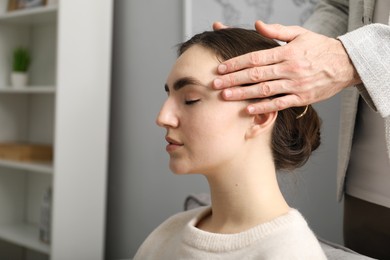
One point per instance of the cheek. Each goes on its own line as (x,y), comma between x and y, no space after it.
(204,125)
(214,131)
(217,121)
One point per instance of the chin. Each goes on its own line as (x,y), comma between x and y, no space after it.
(180,170)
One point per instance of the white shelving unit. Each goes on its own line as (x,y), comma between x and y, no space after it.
(25,113)
(67,108)
(24,235)
(36,15)
(29,90)
(46,168)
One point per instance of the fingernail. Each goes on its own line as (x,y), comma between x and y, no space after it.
(222,68)
(251,109)
(218,83)
(228,93)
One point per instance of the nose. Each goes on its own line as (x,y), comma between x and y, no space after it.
(167,116)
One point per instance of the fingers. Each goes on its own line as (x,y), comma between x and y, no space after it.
(276,104)
(278,31)
(267,89)
(218,26)
(252,59)
(263,57)
(251,75)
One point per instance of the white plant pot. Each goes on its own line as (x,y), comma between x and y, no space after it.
(19,79)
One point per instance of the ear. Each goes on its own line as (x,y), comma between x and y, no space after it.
(261,124)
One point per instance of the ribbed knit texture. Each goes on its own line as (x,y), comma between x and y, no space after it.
(369,49)
(286,237)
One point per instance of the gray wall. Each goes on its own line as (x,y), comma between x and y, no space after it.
(142,191)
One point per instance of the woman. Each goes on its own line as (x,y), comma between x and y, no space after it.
(239,155)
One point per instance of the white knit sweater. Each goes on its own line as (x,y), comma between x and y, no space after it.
(286,237)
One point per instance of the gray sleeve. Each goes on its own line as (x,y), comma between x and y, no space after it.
(329,18)
(369,50)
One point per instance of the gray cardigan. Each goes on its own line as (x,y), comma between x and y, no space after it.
(368,46)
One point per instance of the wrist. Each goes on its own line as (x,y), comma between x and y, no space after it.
(352,75)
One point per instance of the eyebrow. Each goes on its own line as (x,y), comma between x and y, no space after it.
(182,82)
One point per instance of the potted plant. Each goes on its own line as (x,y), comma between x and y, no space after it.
(20,64)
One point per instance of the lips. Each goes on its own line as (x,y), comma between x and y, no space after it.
(172,141)
(173,144)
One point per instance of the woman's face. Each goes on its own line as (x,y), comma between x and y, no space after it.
(204,133)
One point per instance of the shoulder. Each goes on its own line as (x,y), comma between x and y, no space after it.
(168,233)
(295,229)
(298,240)
(180,220)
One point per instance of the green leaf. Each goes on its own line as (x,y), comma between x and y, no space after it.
(21,59)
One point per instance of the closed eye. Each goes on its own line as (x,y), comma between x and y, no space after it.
(191,102)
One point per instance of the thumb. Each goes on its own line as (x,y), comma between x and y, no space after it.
(278,31)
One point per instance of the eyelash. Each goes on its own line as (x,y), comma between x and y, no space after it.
(191,102)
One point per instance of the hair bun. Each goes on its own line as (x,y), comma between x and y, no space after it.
(294,139)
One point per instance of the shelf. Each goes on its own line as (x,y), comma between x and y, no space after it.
(28,90)
(25,235)
(28,166)
(36,15)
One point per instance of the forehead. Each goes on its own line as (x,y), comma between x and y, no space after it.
(197,62)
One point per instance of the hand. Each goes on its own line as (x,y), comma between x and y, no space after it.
(308,69)
(218,26)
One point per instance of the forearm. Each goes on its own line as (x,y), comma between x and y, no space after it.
(330,18)
(369,49)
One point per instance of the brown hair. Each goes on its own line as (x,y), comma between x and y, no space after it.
(293,140)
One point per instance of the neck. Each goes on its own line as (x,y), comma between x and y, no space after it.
(243,198)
